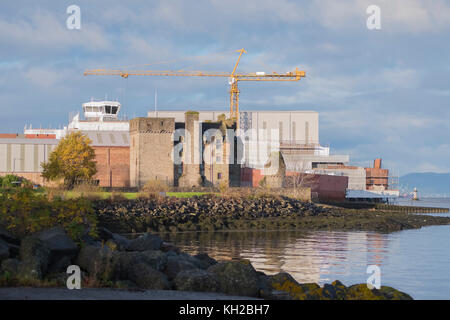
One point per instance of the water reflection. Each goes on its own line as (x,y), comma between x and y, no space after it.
(309,256)
(414,261)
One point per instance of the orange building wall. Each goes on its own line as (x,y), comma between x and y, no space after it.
(40,136)
(376,176)
(113,166)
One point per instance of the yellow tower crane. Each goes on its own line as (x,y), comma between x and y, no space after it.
(234,78)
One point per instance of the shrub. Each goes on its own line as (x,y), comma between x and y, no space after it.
(13,181)
(117,196)
(24,211)
(155,186)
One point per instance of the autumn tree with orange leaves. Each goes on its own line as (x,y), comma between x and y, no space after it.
(73,160)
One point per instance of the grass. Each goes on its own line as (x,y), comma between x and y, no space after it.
(129,195)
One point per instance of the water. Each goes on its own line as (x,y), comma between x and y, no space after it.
(414,261)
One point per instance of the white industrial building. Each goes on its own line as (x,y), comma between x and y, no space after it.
(298,134)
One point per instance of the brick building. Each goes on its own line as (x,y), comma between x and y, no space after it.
(112,156)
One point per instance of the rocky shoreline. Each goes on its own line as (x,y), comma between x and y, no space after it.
(148,263)
(213,213)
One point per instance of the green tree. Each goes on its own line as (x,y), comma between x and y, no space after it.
(72,160)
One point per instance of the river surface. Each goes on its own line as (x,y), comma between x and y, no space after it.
(414,261)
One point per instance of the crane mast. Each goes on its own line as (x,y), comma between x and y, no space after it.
(234,78)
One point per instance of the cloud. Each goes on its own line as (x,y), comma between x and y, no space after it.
(382,93)
(397,16)
(45,31)
(44,77)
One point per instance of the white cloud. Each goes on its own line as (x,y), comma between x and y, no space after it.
(397,16)
(45,77)
(43,30)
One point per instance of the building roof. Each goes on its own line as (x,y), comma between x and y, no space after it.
(21,140)
(108,138)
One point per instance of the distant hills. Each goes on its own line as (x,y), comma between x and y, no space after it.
(427,183)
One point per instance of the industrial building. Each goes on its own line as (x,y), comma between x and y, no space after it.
(22,154)
(109,134)
(157,147)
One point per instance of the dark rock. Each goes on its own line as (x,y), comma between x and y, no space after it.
(236,278)
(59,264)
(166,247)
(123,261)
(340,289)
(4,250)
(207,260)
(121,242)
(6,236)
(284,282)
(267,292)
(57,241)
(145,242)
(394,294)
(10,266)
(146,277)
(176,264)
(61,247)
(34,256)
(99,262)
(196,280)
(362,292)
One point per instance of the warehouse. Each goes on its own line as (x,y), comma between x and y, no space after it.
(22,155)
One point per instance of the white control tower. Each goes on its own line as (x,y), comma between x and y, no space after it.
(101,110)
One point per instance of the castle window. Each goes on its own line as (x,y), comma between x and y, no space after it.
(219,175)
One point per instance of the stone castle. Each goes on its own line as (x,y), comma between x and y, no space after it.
(184,154)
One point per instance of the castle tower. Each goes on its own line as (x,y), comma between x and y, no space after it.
(151,149)
(192,151)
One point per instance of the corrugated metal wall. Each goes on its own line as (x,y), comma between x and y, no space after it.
(23,155)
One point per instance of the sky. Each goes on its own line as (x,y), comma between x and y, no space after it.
(379,93)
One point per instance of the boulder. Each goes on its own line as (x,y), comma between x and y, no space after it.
(11,266)
(62,249)
(205,259)
(362,292)
(236,278)
(121,242)
(166,247)
(6,236)
(123,261)
(284,282)
(146,277)
(196,280)
(340,290)
(145,242)
(393,294)
(34,256)
(4,250)
(176,264)
(99,262)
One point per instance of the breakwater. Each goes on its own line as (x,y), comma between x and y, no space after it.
(388,207)
(211,213)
